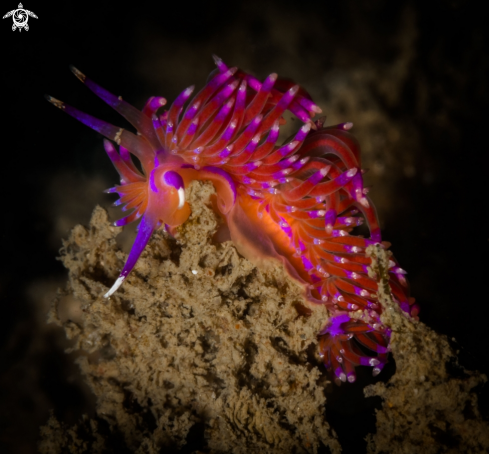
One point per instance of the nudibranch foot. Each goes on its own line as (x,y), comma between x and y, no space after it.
(300,202)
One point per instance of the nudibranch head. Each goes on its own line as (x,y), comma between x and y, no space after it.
(298,202)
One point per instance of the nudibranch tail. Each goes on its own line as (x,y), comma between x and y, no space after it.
(300,202)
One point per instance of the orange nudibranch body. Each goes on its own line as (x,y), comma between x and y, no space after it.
(298,202)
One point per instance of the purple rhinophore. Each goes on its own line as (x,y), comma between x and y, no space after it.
(172,178)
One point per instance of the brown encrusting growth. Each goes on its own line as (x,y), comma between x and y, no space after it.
(197,335)
(425,408)
(200,344)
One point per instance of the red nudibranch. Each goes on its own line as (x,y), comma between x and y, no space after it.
(297,202)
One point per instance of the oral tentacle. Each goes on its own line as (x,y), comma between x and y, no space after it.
(145,230)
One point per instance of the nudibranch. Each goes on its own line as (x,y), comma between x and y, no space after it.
(298,202)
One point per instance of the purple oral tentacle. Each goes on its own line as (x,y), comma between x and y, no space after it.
(145,230)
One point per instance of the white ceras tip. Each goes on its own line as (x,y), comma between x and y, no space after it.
(188,91)
(292,145)
(324,171)
(364,202)
(256,139)
(293,90)
(315,108)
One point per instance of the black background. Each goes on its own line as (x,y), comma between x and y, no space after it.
(435,219)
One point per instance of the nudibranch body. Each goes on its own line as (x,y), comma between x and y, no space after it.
(297,202)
